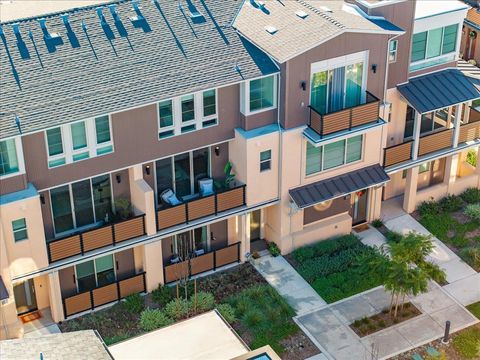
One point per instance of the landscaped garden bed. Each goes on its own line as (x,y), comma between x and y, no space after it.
(475,309)
(455,220)
(252,307)
(385,319)
(333,267)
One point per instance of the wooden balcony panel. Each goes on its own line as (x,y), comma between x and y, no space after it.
(133,285)
(105,294)
(364,114)
(202,263)
(397,154)
(201,207)
(97,238)
(64,248)
(77,303)
(176,271)
(129,229)
(171,217)
(315,121)
(336,121)
(230,199)
(226,255)
(434,142)
(469,132)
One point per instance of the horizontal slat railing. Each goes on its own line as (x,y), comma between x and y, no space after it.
(89,240)
(200,264)
(434,142)
(397,153)
(91,299)
(345,119)
(201,207)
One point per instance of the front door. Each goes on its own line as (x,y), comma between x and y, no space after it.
(25,297)
(255,218)
(359,207)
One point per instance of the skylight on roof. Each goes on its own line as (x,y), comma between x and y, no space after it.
(301,14)
(325,8)
(271,29)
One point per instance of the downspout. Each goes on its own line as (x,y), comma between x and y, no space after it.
(280,147)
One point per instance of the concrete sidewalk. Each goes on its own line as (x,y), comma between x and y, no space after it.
(285,279)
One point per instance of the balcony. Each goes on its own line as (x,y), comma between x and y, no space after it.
(345,119)
(106,235)
(202,207)
(202,263)
(430,143)
(91,299)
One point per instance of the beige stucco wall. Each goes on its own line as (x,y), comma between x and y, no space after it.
(153,264)
(396,126)
(41,291)
(28,255)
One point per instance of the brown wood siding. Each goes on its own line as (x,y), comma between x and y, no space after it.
(364,114)
(171,217)
(469,132)
(97,238)
(128,229)
(336,122)
(65,248)
(398,154)
(201,207)
(176,271)
(474,16)
(434,142)
(78,303)
(131,286)
(202,263)
(105,294)
(316,121)
(230,199)
(226,256)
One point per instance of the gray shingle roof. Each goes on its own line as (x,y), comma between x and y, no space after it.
(440,89)
(100,76)
(337,186)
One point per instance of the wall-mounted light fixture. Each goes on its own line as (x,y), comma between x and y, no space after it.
(147,169)
(42,199)
(119,178)
(217,150)
(303,85)
(374,68)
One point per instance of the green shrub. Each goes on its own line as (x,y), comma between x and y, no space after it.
(472,255)
(467,343)
(162,295)
(227,311)
(204,301)
(377,223)
(451,203)
(475,309)
(177,309)
(325,247)
(473,211)
(393,236)
(471,195)
(134,303)
(273,249)
(252,317)
(152,319)
(429,208)
(114,339)
(472,158)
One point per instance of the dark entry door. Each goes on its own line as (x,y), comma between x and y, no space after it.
(25,297)
(359,207)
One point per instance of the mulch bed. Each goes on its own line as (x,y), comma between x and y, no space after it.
(298,347)
(370,325)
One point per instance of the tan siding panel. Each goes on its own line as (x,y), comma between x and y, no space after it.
(434,142)
(201,207)
(365,114)
(336,122)
(315,121)
(176,271)
(202,263)
(131,286)
(230,199)
(226,256)
(171,217)
(398,154)
(469,132)
(97,238)
(105,295)
(128,229)
(64,248)
(77,303)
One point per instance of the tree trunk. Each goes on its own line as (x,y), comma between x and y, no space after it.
(403,301)
(391,302)
(396,306)
(178,291)
(195,295)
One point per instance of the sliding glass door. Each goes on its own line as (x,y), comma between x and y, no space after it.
(186,243)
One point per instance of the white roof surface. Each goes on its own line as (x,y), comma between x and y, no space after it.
(203,337)
(426,8)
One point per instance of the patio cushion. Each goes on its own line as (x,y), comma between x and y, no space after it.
(173,200)
(206,187)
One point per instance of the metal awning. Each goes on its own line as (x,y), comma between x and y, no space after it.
(440,89)
(3,290)
(337,186)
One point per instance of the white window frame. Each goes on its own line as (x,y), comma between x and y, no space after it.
(198,121)
(245,96)
(67,142)
(20,159)
(393,53)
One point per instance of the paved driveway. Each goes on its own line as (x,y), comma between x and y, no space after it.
(329,326)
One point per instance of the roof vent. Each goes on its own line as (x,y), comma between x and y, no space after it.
(46,33)
(118,22)
(195,15)
(103,22)
(271,29)
(70,34)
(139,21)
(325,8)
(22,48)
(52,40)
(301,14)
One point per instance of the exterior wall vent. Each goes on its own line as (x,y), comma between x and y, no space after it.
(301,14)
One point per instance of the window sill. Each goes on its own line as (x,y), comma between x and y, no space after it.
(17,173)
(323,172)
(248,113)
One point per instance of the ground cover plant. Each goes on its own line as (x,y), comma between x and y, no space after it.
(475,309)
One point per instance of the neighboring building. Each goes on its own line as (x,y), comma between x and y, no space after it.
(132,102)
(469,47)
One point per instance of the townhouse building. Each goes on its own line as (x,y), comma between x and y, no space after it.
(147,141)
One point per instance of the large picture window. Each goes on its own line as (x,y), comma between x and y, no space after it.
(95,273)
(262,93)
(434,43)
(333,155)
(8,157)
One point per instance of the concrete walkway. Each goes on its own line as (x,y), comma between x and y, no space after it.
(285,279)
(329,326)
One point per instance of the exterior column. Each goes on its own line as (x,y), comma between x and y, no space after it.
(153,265)
(142,198)
(244,235)
(466,112)
(477,168)
(262,223)
(409,198)
(55,297)
(456,125)
(375,203)
(451,169)
(416,134)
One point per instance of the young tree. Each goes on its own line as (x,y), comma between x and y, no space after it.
(405,268)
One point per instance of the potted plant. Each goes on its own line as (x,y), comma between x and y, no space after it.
(123,209)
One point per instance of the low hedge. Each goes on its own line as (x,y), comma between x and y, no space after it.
(325,247)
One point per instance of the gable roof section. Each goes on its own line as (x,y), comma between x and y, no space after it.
(295,35)
(176,57)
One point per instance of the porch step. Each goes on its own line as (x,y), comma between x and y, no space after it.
(263,253)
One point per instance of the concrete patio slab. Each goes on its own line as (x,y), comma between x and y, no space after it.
(378,298)
(456,270)
(434,300)
(371,237)
(392,208)
(459,317)
(466,290)
(353,309)
(285,279)
(419,329)
(385,342)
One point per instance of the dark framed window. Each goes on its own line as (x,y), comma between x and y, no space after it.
(265,160)
(19,228)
